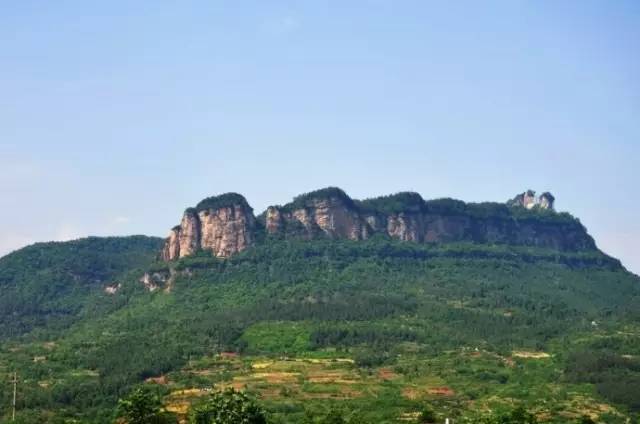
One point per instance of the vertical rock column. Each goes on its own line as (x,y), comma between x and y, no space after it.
(224,225)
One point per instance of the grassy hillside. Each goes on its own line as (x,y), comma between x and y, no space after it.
(378,328)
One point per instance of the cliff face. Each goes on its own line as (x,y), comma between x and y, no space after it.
(171,249)
(189,237)
(332,216)
(221,225)
(227,230)
(226,225)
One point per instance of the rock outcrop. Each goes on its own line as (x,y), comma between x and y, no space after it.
(223,225)
(331,213)
(112,288)
(529,200)
(226,225)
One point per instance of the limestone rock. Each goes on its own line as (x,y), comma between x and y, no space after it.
(112,288)
(189,238)
(273,220)
(529,200)
(329,212)
(171,248)
(225,225)
(226,230)
(222,224)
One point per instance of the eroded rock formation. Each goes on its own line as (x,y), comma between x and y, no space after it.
(333,215)
(223,225)
(226,225)
(529,200)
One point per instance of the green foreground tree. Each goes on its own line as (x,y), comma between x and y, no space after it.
(228,407)
(143,406)
(427,416)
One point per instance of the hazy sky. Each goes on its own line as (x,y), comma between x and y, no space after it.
(116,116)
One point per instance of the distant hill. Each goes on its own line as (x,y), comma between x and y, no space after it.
(47,285)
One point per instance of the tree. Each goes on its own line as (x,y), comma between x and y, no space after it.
(427,416)
(333,417)
(142,406)
(516,416)
(521,415)
(228,407)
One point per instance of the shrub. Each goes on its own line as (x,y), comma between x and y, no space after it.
(427,416)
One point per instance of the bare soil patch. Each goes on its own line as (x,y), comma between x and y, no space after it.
(441,391)
(387,374)
(162,380)
(530,355)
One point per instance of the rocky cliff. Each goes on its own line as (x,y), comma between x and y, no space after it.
(223,225)
(226,225)
(328,212)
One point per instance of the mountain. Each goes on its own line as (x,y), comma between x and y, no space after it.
(372,309)
(226,225)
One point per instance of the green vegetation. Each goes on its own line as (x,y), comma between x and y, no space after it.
(227,407)
(222,201)
(392,204)
(276,338)
(49,286)
(617,378)
(427,416)
(323,331)
(517,416)
(305,200)
(143,406)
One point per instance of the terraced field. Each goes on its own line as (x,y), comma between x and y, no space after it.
(462,383)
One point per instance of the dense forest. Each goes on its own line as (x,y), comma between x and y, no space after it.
(46,285)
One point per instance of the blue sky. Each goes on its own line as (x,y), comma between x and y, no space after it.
(115,116)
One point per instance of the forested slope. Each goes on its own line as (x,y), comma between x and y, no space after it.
(379,302)
(47,285)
